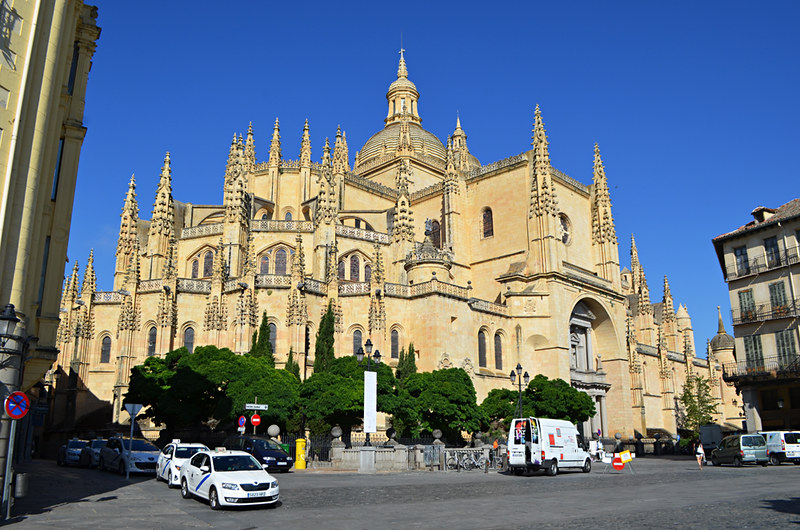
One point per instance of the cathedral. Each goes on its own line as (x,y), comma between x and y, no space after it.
(481,266)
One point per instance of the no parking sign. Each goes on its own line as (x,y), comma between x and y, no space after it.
(17,405)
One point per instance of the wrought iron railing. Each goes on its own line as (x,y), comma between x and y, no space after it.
(765,311)
(769,261)
(784,365)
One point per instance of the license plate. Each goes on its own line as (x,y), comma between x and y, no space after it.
(792,455)
(256,494)
(281,463)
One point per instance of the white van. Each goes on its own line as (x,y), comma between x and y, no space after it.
(540,443)
(782,446)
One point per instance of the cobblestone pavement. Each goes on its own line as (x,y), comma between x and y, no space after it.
(662,493)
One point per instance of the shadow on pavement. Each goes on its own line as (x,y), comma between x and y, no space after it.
(50,485)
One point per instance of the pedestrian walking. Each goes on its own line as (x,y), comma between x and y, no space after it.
(700,454)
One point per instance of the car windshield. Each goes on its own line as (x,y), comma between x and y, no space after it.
(236,463)
(267,445)
(792,437)
(140,445)
(76,444)
(753,441)
(186,452)
(99,444)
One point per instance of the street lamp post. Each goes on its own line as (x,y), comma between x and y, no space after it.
(377,360)
(519,378)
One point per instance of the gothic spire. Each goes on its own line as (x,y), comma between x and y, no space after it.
(163,219)
(402,71)
(170,271)
(72,292)
(219,272)
(250,150)
(275,146)
(721,326)
(130,220)
(403,226)
(543,199)
(602,220)
(668,309)
(305,148)
(89,277)
(340,165)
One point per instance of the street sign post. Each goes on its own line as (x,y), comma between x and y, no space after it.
(255,420)
(133,409)
(256,406)
(16,406)
(242,423)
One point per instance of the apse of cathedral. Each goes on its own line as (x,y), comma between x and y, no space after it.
(482,267)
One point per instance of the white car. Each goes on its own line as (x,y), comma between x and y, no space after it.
(228,478)
(171,459)
(124,454)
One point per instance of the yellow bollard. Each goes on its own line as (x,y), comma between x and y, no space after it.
(300,454)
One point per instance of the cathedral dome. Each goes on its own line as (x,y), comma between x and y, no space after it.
(387,140)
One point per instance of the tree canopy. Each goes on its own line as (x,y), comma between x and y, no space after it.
(699,406)
(323,348)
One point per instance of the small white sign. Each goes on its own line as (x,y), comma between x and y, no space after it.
(370,402)
(241,429)
(256,406)
(133,409)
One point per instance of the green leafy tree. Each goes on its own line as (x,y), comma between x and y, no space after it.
(406,364)
(556,399)
(446,400)
(292,366)
(699,406)
(336,396)
(323,349)
(498,408)
(262,347)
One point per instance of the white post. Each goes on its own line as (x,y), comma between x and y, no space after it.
(9,459)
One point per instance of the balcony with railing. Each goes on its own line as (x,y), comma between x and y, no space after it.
(765,311)
(767,262)
(784,366)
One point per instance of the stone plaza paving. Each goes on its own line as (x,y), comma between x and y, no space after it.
(662,493)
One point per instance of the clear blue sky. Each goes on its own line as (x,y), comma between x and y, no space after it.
(694,105)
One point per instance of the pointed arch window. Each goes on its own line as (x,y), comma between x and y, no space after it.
(482,349)
(395,344)
(208,263)
(436,232)
(288,216)
(195,268)
(367,273)
(273,336)
(354,268)
(498,351)
(356,341)
(280,262)
(188,339)
(341,270)
(151,341)
(105,350)
(487,223)
(264,217)
(264,266)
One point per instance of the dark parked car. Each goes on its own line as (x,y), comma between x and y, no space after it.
(266,451)
(70,452)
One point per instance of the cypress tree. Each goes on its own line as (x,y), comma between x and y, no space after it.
(262,347)
(292,366)
(323,349)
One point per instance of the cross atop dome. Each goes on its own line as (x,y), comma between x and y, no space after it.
(402,96)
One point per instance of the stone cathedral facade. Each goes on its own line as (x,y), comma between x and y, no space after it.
(480,266)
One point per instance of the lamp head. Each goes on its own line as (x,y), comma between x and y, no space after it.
(526,378)
(368,346)
(377,357)
(360,355)
(513,376)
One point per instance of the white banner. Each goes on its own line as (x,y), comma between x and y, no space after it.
(370,401)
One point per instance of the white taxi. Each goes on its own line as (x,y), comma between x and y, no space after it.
(171,459)
(227,478)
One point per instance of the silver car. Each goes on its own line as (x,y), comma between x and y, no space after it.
(90,454)
(126,455)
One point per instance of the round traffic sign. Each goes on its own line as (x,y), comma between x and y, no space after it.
(618,464)
(256,419)
(17,405)
(242,421)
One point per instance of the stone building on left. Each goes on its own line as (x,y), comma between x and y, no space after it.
(47,49)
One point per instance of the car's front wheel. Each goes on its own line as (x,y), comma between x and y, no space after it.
(185,490)
(213,499)
(774,460)
(714,461)
(587,466)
